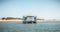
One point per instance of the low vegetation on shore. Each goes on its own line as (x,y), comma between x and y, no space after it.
(11,18)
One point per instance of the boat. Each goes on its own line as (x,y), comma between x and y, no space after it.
(29,19)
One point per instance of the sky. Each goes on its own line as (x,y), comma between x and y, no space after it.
(45,9)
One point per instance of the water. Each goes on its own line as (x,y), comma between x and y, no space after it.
(39,27)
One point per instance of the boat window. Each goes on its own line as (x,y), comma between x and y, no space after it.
(30,19)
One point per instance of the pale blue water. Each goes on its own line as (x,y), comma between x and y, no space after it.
(39,27)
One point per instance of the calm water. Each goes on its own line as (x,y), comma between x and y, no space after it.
(39,27)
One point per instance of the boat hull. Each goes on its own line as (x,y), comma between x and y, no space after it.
(29,22)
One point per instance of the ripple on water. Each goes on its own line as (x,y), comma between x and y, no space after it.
(39,27)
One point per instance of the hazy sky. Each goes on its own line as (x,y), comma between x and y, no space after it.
(47,9)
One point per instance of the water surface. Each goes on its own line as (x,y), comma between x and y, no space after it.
(20,27)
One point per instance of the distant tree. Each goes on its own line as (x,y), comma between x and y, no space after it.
(9,18)
(3,18)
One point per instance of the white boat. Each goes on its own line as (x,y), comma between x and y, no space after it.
(29,19)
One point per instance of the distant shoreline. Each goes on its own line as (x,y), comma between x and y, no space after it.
(22,20)
(10,20)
